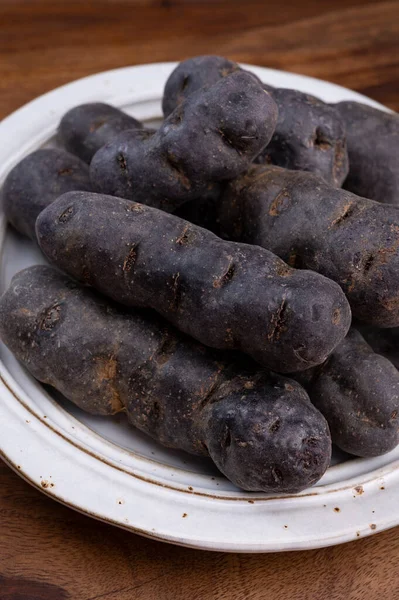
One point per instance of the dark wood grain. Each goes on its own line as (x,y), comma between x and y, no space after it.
(48,552)
(46,43)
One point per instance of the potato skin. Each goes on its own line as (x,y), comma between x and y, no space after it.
(86,128)
(382,341)
(203,211)
(309,135)
(192,75)
(226,295)
(373,147)
(296,215)
(37,181)
(260,428)
(211,137)
(358,393)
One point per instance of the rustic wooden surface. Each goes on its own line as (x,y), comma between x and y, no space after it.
(46,550)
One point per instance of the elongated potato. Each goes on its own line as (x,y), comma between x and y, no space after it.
(211,137)
(373,148)
(296,215)
(225,295)
(357,391)
(86,128)
(259,428)
(37,181)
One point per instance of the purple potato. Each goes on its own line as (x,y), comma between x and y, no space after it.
(259,428)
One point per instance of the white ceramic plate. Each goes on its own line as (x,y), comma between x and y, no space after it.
(108,470)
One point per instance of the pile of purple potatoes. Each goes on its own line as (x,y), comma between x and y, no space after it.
(230,280)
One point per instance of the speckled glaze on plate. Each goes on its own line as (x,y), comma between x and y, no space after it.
(110,471)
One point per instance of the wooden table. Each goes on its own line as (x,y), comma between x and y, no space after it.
(50,552)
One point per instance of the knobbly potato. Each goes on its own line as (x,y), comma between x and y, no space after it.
(225,295)
(260,429)
(357,391)
(211,137)
(311,225)
(373,148)
(37,181)
(86,128)
(309,135)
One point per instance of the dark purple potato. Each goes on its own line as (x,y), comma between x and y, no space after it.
(311,225)
(192,75)
(37,181)
(226,295)
(211,137)
(309,136)
(373,148)
(86,128)
(259,428)
(357,391)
